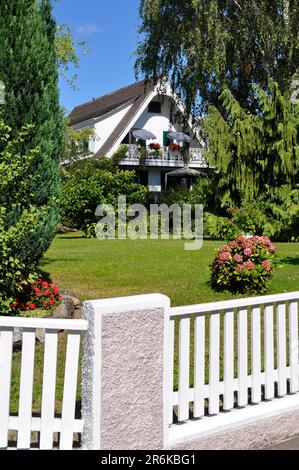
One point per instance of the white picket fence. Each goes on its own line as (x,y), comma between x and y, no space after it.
(224,363)
(230,355)
(46,423)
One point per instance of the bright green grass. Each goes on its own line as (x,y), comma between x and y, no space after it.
(111,268)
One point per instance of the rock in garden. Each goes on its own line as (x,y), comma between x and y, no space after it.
(70,306)
(61,311)
(40,335)
(78,315)
(76,301)
(67,292)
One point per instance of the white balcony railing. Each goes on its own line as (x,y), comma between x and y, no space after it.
(165,155)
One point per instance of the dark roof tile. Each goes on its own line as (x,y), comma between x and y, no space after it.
(103,105)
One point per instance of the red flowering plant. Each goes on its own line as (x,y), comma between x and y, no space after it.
(154,146)
(175,148)
(40,294)
(244,266)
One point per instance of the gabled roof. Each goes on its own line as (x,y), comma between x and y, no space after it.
(134,94)
(103,105)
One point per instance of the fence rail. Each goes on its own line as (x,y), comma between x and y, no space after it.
(47,423)
(232,354)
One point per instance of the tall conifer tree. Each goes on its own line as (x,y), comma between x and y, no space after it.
(28,69)
(256,153)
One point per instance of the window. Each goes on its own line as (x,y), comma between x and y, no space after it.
(154,107)
(126,140)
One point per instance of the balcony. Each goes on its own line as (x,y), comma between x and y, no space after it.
(163,157)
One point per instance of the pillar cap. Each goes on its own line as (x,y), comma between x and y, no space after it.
(126,304)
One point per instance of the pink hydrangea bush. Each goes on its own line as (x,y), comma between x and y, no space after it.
(244,266)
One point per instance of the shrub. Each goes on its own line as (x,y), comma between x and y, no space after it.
(274,214)
(117,157)
(175,195)
(40,294)
(24,234)
(86,187)
(203,192)
(219,228)
(244,266)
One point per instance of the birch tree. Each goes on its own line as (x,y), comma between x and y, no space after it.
(205,45)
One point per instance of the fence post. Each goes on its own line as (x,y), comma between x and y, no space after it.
(124,378)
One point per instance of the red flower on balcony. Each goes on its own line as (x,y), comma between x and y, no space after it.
(174,148)
(155,147)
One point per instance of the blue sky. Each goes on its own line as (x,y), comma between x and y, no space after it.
(110,27)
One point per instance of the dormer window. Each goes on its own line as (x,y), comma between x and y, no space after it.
(154,107)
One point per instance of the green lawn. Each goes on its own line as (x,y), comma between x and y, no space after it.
(111,268)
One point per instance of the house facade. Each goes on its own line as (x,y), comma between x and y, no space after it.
(143,105)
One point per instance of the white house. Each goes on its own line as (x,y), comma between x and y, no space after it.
(143,105)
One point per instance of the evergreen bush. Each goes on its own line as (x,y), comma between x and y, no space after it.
(31,132)
(23,225)
(29,71)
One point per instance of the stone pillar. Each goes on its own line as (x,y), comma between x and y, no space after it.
(124,387)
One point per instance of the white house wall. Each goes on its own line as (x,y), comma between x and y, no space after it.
(157,123)
(105,125)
